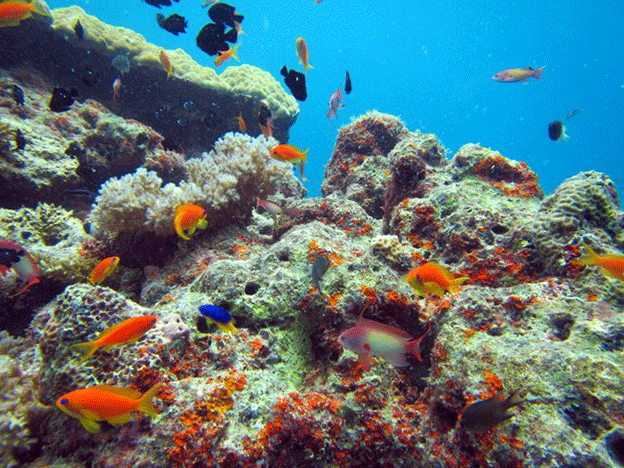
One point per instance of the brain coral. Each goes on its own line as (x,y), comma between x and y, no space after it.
(225,182)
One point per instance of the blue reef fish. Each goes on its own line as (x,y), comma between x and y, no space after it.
(221,317)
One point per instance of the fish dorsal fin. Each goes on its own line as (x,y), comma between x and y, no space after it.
(126,392)
(382,327)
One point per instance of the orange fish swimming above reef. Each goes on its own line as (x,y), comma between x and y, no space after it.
(432,278)
(103,269)
(12,12)
(517,74)
(166,63)
(105,403)
(226,54)
(189,218)
(128,331)
(303,54)
(610,264)
(292,154)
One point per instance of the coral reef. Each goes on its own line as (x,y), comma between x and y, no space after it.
(225,182)
(214,100)
(282,391)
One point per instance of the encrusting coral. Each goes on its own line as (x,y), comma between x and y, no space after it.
(225,182)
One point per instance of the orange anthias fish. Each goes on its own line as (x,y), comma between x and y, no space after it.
(189,218)
(128,331)
(12,12)
(226,54)
(370,338)
(432,278)
(517,74)
(610,264)
(105,403)
(166,63)
(103,269)
(303,54)
(242,125)
(290,153)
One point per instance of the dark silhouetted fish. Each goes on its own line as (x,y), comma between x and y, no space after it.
(18,95)
(159,3)
(213,39)
(319,267)
(89,77)
(264,114)
(79,30)
(175,24)
(20,140)
(485,414)
(62,99)
(556,131)
(222,13)
(348,86)
(295,82)
(572,113)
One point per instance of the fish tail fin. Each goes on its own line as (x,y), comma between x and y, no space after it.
(235,53)
(88,348)
(591,258)
(145,402)
(513,399)
(302,160)
(413,345)
(538,72)
(306,67)
(456,284)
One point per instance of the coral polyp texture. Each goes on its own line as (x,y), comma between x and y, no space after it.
(300,279)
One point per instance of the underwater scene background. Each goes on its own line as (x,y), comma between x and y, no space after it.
(430,63)
(437,282)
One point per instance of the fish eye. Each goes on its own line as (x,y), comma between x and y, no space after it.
(63,401)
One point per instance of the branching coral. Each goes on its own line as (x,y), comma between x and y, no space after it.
(225,182)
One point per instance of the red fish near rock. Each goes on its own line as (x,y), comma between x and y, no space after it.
(335,103)
(14,256)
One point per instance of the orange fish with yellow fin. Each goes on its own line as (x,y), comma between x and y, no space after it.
(128,331)
(12,12)
(611,265)
(189,218)
(105,403)
(432,278)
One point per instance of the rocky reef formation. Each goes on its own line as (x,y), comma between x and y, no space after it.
(282,392)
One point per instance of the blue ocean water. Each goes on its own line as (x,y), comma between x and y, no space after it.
(431,62)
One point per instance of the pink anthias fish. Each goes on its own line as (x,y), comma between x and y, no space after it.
(273,208)
(370,338)
(14,256)
(116,89)
(335,103)
(512,75)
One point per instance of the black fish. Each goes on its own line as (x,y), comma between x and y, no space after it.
(295,82)
(222,13)
(348,83)
(20,140)
(80,193)
(62,99)
(175,24)
(18,95)
(213,39)
(159,3)
(89,77)
(264,114)
(556,130)
(485,414)
(79,30)
(319,268)
(572,113)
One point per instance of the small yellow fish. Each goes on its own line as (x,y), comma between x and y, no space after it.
(166,63)
(303,54)
(226,54)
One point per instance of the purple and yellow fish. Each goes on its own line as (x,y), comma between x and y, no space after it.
(512,75)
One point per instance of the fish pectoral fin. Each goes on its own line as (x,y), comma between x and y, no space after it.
(90,425)
(121,419)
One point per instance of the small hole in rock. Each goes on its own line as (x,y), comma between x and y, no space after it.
(251,288)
